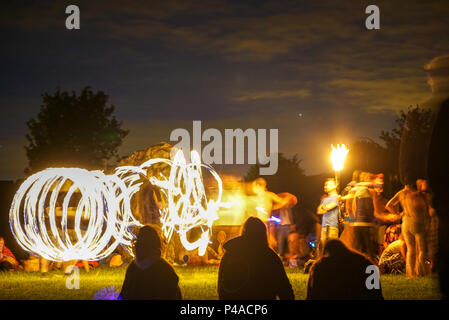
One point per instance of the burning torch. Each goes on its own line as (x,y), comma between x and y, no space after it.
(338,156)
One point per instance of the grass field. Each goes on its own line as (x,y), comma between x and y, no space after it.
(196,283)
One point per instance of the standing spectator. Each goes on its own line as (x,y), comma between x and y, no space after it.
(432,232)
(150,277)
(365,232)
(330,211)
(286,225)
(415,224)
(349,215)
(249,269)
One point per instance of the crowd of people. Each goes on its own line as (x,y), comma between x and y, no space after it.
(250,270)
(252,267)
(400,235)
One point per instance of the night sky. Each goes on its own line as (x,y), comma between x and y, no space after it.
(237,64)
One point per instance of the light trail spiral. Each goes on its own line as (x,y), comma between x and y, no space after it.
(102,216)
(188,205)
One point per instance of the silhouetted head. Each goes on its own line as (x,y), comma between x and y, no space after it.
(255,231)
(330,185)
(356,175)
(221,237)
(366,177)
(259,185)
(438,73)
(335,248)
(378,181)
(147,243)
(422,185)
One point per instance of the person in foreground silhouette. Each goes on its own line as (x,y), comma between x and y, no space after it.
(340,274)
(249,269)
(438,162)
(150,277)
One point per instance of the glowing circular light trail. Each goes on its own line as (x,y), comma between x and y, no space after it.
(44,229)
(66,214)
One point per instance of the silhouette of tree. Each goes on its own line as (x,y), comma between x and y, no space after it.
(290,176)
(415,139)
(369,155)
(72,130)
(286,179)
(418,120)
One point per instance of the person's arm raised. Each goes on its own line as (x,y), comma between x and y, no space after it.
(391,205)
(280,202)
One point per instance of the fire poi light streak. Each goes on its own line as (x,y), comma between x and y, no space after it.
(188,206)
(94,218)
(102,216)
(272,218)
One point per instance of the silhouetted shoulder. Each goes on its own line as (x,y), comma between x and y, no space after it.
(167,269)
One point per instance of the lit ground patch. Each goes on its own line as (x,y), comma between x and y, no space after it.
(196,283)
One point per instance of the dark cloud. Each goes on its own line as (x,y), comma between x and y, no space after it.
(235,64)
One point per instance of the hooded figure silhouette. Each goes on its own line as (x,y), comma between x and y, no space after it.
(150,277)
(340,274)
(249,269)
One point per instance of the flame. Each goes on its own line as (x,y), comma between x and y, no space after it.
(338,156)
(103,217)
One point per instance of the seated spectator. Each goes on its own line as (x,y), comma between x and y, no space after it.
(87,265)
(150,277)
(113,260)
(7,259)
(249,269)
(340,274)
(392,234)
(392,259)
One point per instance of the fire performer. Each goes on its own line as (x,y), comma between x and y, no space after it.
(286,223)
(267,201)
(329,209)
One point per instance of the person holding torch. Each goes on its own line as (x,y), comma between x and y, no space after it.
(329,209)
(329,206)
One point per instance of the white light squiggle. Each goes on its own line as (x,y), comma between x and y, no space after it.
(102,215)
(188,206)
